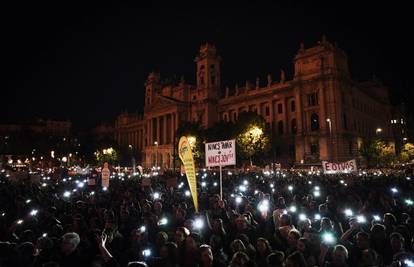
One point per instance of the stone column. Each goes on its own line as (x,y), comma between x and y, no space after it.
(164,129)
(286,109)
(172,128)
(158,134)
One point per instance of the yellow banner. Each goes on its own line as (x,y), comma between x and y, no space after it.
(186,156)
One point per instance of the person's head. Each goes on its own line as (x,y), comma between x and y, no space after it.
(323,208)
(157,206)
(180,214)
(340,255)
(239,259)
(137,264)
(326,224)
(237,245)
(26,250)
(169,252)
(295,259)
(285,220)
(389,220)
(263,246)
(216,242)
(275,259)
(217,225)
(206,255)
(162,238)
(241,223)
(192,241)
(293,238)
(330,199)
(397,242)
(378,233)
(305,224)
(281,201)
(362,240)
(181,234)
(303,245)
(369,257)
(70,242)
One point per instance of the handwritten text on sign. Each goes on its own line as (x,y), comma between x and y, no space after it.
(221,153)
(343,167)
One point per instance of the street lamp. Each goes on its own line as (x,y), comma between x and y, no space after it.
(328,120)
(156,154)
(378,130)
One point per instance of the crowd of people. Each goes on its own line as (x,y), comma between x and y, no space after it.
(284,219)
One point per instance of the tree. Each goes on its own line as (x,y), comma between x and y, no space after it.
(407,152)
(376,152)
(251,140)
(109,155)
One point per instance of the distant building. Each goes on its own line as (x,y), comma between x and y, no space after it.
(320,114)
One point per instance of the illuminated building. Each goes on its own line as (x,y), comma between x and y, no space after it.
(319,114)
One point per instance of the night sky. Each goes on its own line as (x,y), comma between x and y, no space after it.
(89,63)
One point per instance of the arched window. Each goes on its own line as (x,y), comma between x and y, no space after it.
(314,149)
(314,122)
(280,127)
(293,106)
(293,126)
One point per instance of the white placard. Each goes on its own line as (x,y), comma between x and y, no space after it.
(343,167)
(222,153)
(105,175)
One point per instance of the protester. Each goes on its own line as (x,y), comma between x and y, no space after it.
(292,218)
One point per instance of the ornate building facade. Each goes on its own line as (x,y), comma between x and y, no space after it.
(320,114)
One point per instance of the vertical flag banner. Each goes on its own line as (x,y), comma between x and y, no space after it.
(186,156)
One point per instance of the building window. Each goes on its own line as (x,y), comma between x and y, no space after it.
(314,149)
(292,151)
(313,99)
(279,108)
(213,80)
(280,127)
(350,147)
(314,122)
(345,122)
(293,126)
(267,111)
(225,118)
(293,106)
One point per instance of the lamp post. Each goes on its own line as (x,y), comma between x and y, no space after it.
(156,154)
(328,120)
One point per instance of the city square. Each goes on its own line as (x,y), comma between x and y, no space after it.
(132,141)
